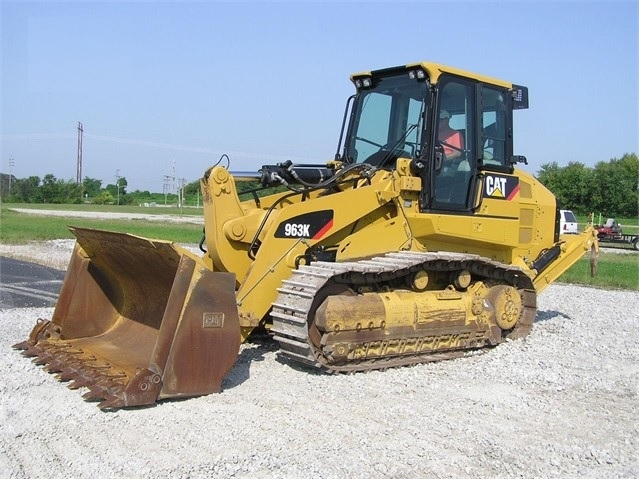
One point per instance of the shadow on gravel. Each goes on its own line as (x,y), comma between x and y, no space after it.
(546,315)
(259,344)
(306,369)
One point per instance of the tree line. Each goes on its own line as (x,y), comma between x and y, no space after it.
(50,189)
(610,187)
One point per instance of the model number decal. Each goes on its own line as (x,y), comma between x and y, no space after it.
(292,229)
(310,225)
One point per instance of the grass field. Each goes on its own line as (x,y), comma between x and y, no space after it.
(149,210)
(616,270)
(18,227)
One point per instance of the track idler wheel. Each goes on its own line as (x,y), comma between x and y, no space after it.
(507,305)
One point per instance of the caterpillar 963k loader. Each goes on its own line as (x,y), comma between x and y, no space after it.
(419,241)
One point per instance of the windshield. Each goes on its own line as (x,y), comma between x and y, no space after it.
(388,120)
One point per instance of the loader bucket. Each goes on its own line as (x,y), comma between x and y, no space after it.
(138,320)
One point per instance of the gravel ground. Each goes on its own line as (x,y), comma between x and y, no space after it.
(560,403)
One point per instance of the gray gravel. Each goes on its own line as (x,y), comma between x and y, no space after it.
(560,403)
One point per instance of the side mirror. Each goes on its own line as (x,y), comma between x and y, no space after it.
(517,159)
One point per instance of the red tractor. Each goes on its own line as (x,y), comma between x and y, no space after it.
(609,231)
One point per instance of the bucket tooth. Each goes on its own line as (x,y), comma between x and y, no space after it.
(113,402)
(85,376)
(71,366)
(65,375)
(70,372)
(76,383)
(90,375)
(31,351)
(95,394)
(43,358)
(103,389)
(23,345)
(55,365)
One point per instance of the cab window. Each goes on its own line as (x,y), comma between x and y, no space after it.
(494,127)
(374,125)
(388,121)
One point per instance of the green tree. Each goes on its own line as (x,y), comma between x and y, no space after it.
(58,191)
(92,186)
(615,186)
(26,190)
(118,190)
(577,183)
(103,198)
(6,184)
(571,184)
(610,187)
(192,189)
(49,188)
(550,176)
(123,184)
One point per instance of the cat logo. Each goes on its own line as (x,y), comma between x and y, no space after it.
(501,187)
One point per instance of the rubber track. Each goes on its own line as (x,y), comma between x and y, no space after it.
(292,306)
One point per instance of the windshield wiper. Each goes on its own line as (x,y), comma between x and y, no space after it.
(393,148)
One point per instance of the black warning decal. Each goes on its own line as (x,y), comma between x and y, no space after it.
(310,225)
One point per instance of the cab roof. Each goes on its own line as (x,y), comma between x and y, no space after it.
(434,71)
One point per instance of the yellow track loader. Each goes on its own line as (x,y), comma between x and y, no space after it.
(419,241)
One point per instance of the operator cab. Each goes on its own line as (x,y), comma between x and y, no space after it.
(454,125)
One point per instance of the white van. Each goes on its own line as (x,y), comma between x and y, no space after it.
(567,223)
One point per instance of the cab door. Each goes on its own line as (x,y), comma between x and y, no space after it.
(455,152)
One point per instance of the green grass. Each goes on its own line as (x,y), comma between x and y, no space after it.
(614,271)
(151,210)
(18,228)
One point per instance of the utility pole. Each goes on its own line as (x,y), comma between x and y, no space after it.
(167,179)
(79,163)
(181,183)
(174,176)
(10,172)
(117,183)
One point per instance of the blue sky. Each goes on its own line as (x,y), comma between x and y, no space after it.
(166,88)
